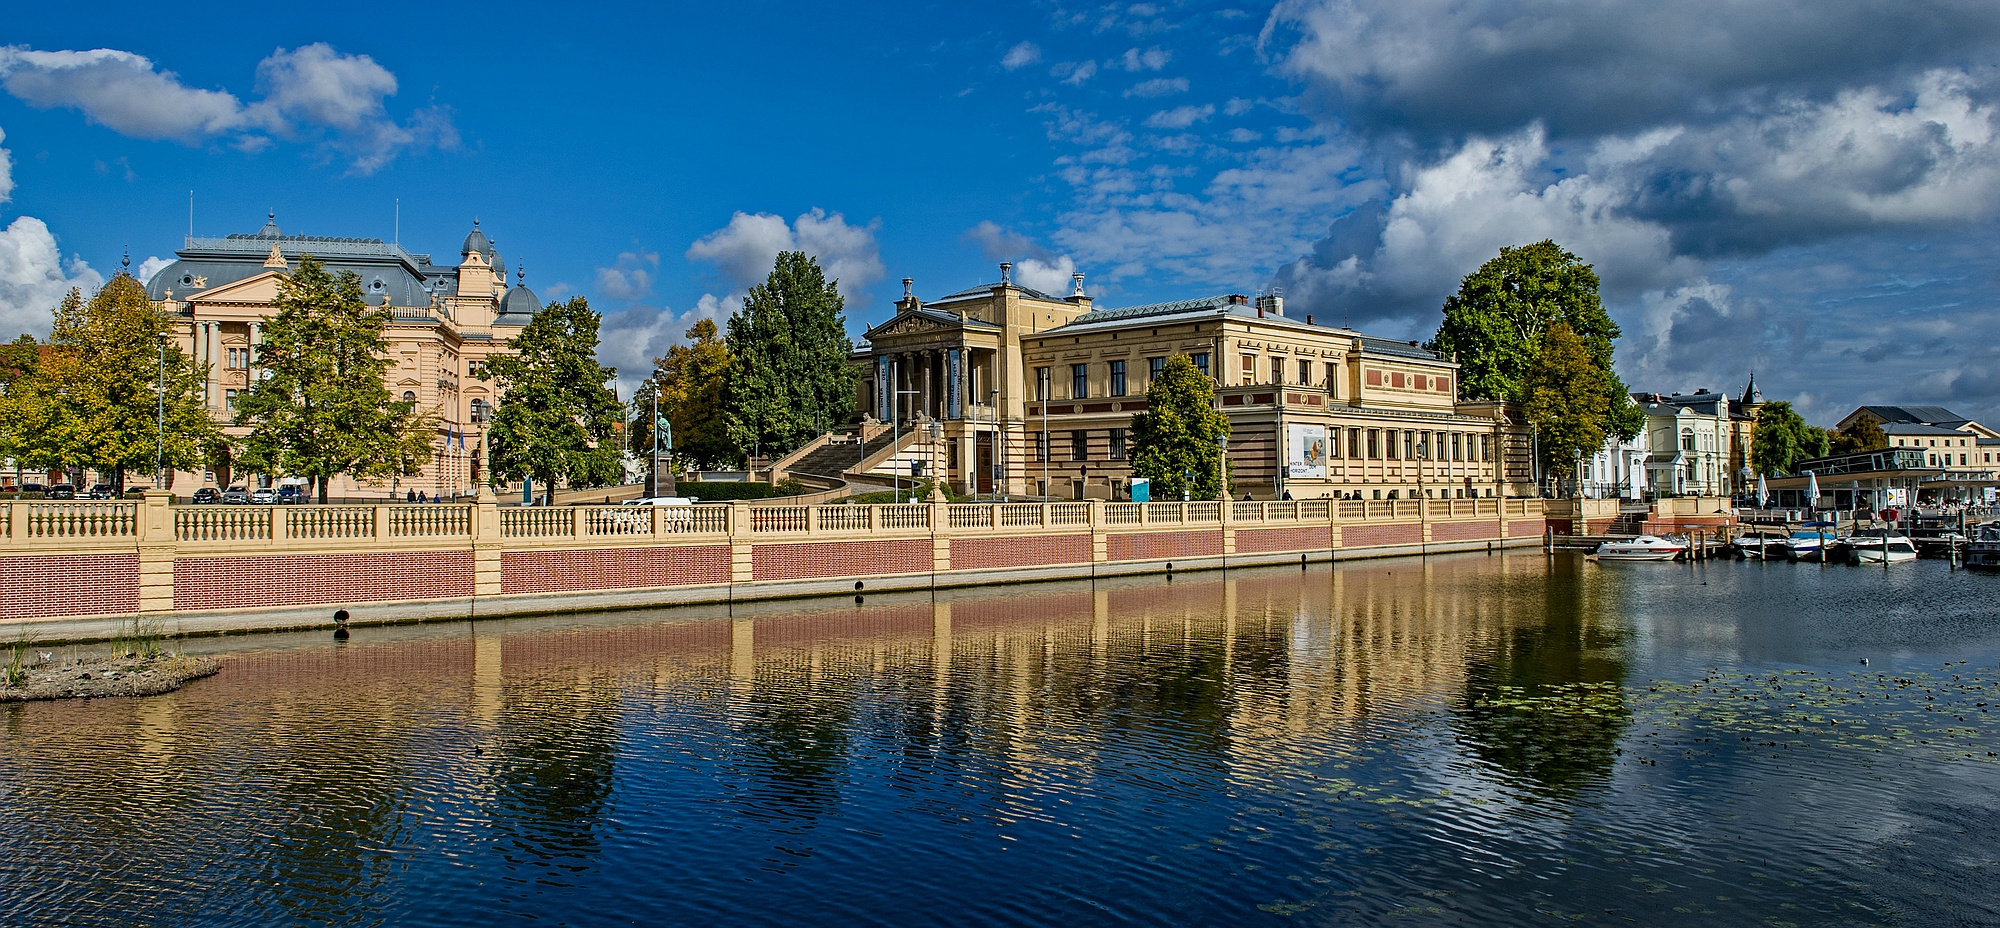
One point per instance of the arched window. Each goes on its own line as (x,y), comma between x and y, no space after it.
(480,411)
(1687,439)
(409,396)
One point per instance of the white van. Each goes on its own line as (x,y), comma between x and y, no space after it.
(660,501)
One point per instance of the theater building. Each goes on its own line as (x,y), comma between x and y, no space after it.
(447,320)
(1022,392)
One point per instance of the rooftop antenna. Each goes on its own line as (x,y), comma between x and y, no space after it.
(399,220)
(190,214)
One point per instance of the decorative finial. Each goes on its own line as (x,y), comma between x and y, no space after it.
(271,214)
(908,284)
(1006,272)
(126,262)
(520,275)
(1077,280)
(475,222)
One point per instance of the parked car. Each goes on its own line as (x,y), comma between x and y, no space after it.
(102,491)
(660,501)
(291,493)
(206,496)
(28,488)
(263,496)
(62,491)
(236,495)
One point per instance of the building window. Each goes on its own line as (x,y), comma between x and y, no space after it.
(1079,445)
(1389,444)
(1278,371)
(1410,445)
(1041,384)
(238,359)
(1353,443)
(409,396)
(1249,369)
(1200,362)
(1374,443)
(1687,442)
(1332,376)
(1118,444)
(480,411)
(1457,452)
(1117,378)
(1305,373)
(1079,381)
(1154,368)
(1041,446)
(229,400)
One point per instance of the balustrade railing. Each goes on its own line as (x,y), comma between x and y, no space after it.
(844,518)
(330,522)
(538,522)
(1351,509)
(82,520)
(599,521)
(431,521)
(1120,513)
(914,515)
(1019,515)
(969,516)
(1069,514)
(767,519)
(1165,513)
(1204,512)
(222,523)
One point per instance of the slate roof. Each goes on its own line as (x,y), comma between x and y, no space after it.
(1923,415)
(1914,428)
(986,290)
(390,275)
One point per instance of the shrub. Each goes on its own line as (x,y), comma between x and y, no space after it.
(724,490)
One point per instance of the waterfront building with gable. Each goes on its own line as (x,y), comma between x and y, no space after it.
(447,320)
(1023,392)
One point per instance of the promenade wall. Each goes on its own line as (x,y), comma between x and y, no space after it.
(84,570)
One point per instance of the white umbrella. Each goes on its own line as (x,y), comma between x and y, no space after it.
(1763,493)
(1812,490)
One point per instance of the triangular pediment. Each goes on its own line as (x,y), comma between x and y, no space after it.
(261,288)
(922,321)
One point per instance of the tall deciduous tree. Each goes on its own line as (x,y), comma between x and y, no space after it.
(1494,326)
(1566,397)
(1863,435)
(558,413)
(323,407)
(98,398)
(690,380)
(1782,439)
(789,376)
(1175,441)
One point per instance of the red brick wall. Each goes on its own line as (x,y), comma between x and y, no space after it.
(1153,546)
(840,559)
(612,569)
(1368,536)
(303,579)
(1464,531)
(1030,551)
(68,584)
(1526,528)
(1253,540)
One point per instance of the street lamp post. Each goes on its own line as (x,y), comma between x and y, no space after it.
(160,453)
(896,439)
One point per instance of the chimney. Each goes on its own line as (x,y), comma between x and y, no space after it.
(1273,301)
(1260,309)
(1076,281)
(1007,273)
(1309,318)
(909,285)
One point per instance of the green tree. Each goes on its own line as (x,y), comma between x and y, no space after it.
(789,376)
(557,412)
(111,374)
(690,380)
(1177,434)
(323,407)
(18,359)
(1782,439)
(1863,435)
(1566,399)
(1494,326)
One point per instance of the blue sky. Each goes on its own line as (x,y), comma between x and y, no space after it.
(1809,193)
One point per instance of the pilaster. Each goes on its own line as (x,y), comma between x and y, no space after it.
(156,552)
(487,545)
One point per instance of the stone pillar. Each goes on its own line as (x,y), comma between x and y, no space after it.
(156,552)
(487,544)
(741,565)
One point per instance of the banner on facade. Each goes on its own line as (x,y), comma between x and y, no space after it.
(882,389)
(1305,452)
(954,378)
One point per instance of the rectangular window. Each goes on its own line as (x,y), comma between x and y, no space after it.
(1305,373)
(1200,362)
(1118,444)
(1353,443)
(1041,384)
(1278,370)
(1041,446)
(1457,453)
(1117,378)
(1410,445)
(1485,449)
(229,400)
(1079,445)
(1154,368)
(1374,443)
(1389,444)
(1333,376)
(1249,369)
(1079,381)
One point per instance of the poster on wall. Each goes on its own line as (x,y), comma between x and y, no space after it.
(1305,452)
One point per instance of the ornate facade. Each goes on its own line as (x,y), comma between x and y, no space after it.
(447,320)
(1028,393)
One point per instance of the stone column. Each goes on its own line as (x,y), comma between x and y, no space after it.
(156,552)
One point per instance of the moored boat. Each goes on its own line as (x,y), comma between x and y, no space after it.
(1983,552)
(1763,545)
(1879,545)
(1807,545)
(1642,548)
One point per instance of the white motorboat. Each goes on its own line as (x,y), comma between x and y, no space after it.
(1642,548)
(1880,545)
(1983,552)
(1763,545)
(1804,546)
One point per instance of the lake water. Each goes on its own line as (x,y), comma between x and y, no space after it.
(1463,740)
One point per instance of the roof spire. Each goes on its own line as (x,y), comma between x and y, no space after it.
(126,262)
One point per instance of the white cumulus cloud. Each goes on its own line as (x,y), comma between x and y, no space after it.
(34,277)
(744,249)
(1020,56)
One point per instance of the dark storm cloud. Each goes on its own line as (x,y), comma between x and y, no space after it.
(1443,68)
